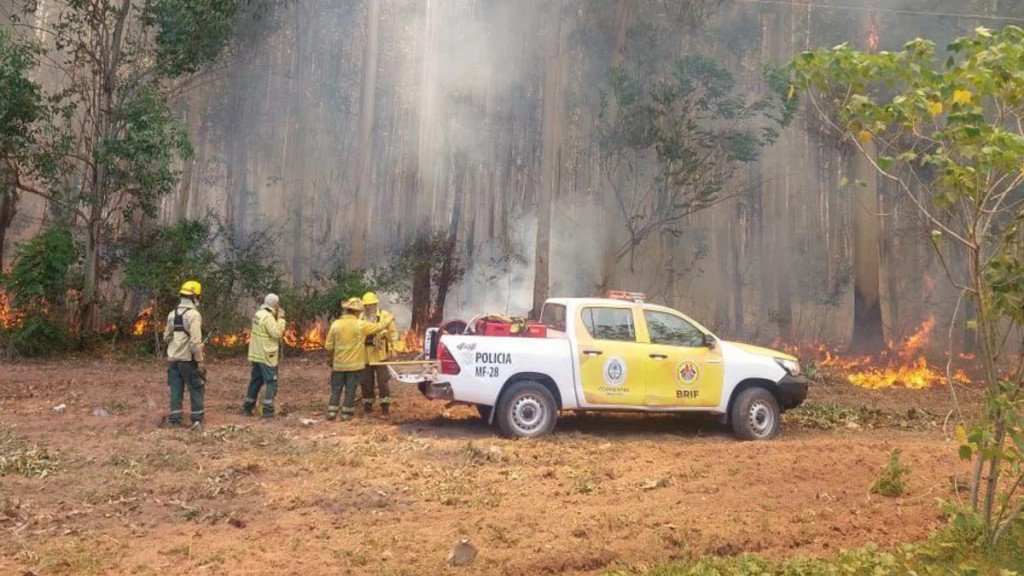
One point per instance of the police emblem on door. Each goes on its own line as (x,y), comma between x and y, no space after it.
(687,373)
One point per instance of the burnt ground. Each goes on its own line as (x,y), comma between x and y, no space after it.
(113,494)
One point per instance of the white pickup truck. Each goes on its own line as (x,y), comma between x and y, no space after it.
(615,354)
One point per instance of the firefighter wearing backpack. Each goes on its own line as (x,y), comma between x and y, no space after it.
(186,366)
(264,353)
(378,349)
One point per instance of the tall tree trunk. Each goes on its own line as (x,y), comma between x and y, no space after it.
(868,329)
(868,334)
(623,18)
(449,259)
(551,159)
(8,209)
(366,121)
(736,227)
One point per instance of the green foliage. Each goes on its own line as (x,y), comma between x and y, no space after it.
(142,155)
(682,138)
(951,130)
(892,481)
(39,284)
(831,416)
(191,33)
(424,256)
(20,98)
(157,263)
(322,298)
(40,274)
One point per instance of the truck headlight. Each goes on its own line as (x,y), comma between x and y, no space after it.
(792,367)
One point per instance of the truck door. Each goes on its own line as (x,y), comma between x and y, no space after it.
(681,369)
(612,362)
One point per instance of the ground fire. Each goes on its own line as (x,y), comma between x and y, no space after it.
(9,318)
(904,365)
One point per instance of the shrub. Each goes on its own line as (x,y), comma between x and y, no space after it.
(892,481)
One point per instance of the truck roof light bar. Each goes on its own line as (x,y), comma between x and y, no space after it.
(637,297)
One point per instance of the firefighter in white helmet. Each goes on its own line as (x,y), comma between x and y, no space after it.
(268,326)
(378,349)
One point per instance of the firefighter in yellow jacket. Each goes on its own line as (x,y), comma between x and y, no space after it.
(378,349)
(264,353)
(346,342)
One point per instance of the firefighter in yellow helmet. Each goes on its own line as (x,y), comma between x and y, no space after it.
(186,366)
(346,343)
(378,349)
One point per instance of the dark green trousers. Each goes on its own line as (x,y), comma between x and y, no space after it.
(346,381)
(261,374)
(182,375)
(379,375)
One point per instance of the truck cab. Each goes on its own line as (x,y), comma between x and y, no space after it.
(616,354)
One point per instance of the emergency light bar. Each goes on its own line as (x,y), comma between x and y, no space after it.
(637,297)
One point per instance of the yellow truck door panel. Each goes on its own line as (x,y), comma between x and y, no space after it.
(612,363)
(681,369)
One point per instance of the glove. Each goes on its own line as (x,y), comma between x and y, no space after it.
(385,317)
(201,368)
(279,314)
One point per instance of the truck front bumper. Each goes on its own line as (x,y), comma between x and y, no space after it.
(436,390)
(792,391)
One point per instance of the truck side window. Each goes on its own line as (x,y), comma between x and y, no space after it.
(553,316)
(672,330)
(609,323)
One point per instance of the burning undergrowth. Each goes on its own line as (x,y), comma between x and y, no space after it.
(903,364)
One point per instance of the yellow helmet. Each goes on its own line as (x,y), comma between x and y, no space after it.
(191,288)
(353,304)
(370,298)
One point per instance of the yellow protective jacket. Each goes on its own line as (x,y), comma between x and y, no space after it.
(346,341)
(379,346)
(265,338)
(187,344)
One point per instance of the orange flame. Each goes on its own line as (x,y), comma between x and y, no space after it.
(143,321)
(231,340)
(872,34)
(410,342)
(9,318)
(310,340)
(904,366)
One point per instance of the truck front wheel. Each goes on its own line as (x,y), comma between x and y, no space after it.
(756,415)
(527,410)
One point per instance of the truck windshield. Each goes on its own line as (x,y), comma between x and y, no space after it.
(672,330)
(553,316)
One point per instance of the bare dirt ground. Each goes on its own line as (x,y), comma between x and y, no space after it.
(115,495)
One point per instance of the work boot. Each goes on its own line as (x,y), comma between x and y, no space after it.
(367,407)
(245,411)
(197,427)
(385,411)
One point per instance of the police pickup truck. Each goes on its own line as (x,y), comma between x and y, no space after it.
(616,354)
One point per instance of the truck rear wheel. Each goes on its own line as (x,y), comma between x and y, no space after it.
(526,410)
(756,415)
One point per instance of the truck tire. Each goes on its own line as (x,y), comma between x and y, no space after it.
(756,415)
(526,410)
(485,412)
